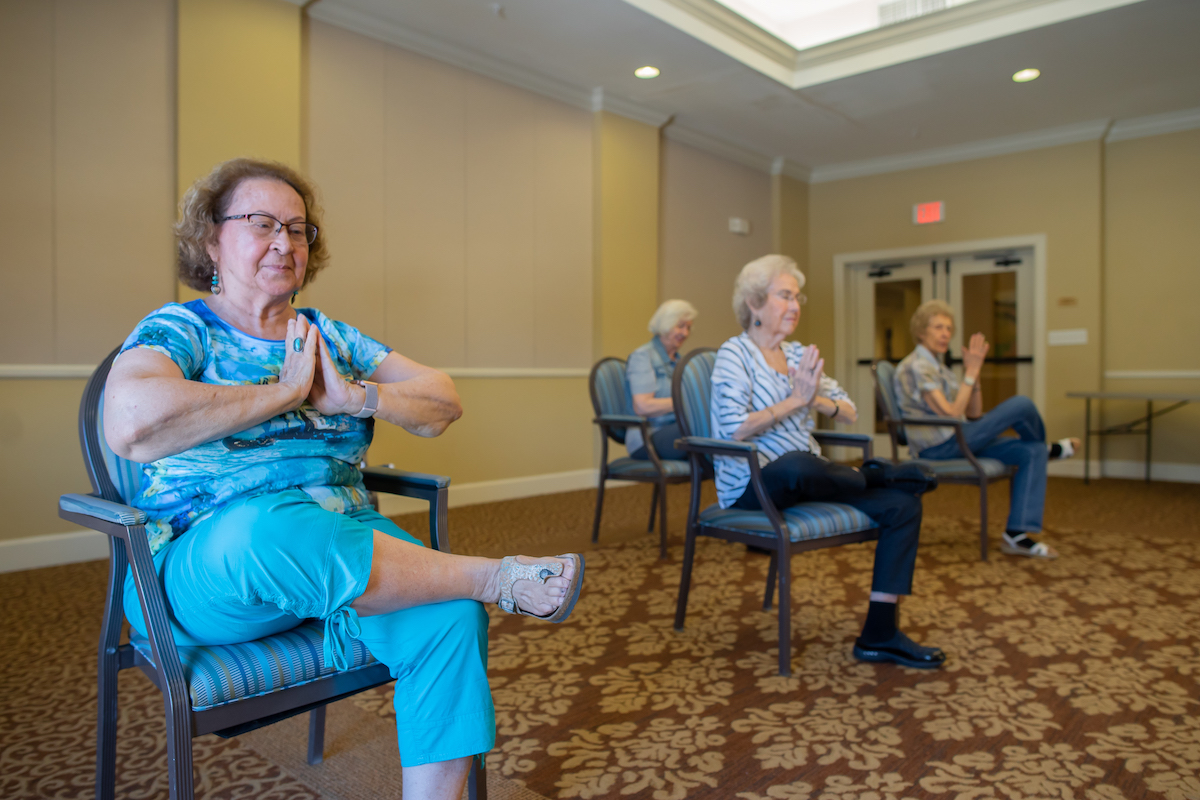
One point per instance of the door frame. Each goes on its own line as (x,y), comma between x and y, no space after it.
(841,318)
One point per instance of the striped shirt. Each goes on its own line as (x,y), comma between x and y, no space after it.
(743,382)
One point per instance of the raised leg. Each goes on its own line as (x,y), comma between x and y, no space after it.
(653,509)
(316,735)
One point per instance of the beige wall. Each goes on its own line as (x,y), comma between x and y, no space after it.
(626,207)
(789,212)
(1054,191)
(459,210)
(700,257)
(1152,284)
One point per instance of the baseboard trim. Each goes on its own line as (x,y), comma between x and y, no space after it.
(469,494)
(51,550)
(1172,472)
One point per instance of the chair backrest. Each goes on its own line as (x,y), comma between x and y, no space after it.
(691,390)
(610,392)
(114,478)
(884,373)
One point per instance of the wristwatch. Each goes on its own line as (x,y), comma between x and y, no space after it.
(371,405)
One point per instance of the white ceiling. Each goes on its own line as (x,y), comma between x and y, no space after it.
(1133,61)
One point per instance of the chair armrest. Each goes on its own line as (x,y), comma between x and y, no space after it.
(716,447)
(620,420)
(939,422)
(101,509)
(397,481)
(860,440)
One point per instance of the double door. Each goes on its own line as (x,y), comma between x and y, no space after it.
(990,292)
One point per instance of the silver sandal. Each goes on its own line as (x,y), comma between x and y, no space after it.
(512,571)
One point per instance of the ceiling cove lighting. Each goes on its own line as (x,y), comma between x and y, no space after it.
(646,73)
(1026,75)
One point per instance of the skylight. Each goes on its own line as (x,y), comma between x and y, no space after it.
(809,23)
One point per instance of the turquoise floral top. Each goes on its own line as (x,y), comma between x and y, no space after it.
(302,449)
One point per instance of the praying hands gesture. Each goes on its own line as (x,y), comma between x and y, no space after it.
(806,376)
(312,373)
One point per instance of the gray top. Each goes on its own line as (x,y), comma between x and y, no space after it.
(649,370)
(921,371)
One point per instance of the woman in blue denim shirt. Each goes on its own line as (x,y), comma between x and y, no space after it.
(648,373)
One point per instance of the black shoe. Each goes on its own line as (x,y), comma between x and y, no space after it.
(910,476)
(901,650)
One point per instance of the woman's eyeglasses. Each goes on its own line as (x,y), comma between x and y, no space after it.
(264,226)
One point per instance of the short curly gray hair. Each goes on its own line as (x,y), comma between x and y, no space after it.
(207,201)
(670,314)
(925,314)
(754,281)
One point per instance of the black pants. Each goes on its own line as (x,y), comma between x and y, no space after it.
(664,444)
(798,477)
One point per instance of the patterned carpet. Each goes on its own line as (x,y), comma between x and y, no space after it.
(1068,679)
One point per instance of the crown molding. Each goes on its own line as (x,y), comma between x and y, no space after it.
(718,147)
(603,101)
(1154,125)
(782,165)
(1004,145)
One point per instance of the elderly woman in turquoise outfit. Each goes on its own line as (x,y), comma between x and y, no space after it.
(250,417)
(648,372)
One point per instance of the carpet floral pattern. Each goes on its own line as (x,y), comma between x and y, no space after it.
(1073,678)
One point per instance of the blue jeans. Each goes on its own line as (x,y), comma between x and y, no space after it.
(1028,453)
(262,565)
(664,444)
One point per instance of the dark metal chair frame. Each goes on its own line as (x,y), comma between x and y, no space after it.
(782,549)
(105,511)
(980,478)
(609,424)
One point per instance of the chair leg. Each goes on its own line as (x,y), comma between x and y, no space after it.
(785,612)
(653,508)
(983,534)
(774,565)
(477,779)
(599,510)
(685,578)
(179,755)
(316,735)
(106,726)
(662,521)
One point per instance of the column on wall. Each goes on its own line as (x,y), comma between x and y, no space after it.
(239,86)
(626,203)
(789,225)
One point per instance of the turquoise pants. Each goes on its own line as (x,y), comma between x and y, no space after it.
(260,566)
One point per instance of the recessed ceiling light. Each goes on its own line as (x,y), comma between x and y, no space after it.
(646,72)
(1026,75)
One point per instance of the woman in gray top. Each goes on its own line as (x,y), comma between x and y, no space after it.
(648,373)
(925,387)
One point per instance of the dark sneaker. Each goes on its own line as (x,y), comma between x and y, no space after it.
(901,650)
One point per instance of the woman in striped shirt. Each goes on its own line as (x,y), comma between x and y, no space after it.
(768,391)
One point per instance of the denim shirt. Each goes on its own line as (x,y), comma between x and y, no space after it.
(649,369)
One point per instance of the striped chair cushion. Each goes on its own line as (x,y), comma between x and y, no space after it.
(696,390)
(612,392)
(637,468)
(805,522)
(223,673)
(961,468)
(126,475)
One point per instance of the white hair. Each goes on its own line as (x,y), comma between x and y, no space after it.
(754,281)
(670,314)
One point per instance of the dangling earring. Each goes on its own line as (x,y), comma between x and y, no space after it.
(294,297)
(216,282)
(758,323)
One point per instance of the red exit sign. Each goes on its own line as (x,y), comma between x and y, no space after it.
(925,213)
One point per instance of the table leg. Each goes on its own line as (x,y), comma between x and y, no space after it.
(1149,427)
(1087,437)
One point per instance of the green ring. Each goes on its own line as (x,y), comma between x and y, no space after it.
(298,344)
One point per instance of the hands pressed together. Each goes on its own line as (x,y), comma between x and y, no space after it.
(313,375)
(806,376)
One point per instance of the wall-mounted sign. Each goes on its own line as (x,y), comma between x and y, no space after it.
(925,213)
